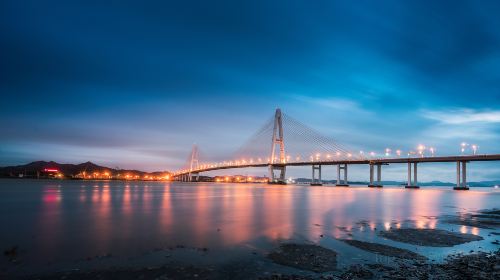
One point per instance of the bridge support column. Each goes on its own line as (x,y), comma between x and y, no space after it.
(415,180)
(343,182)
(461,180)
(273,179)
(410,184)
(378,183)
(316,181)
(193,177)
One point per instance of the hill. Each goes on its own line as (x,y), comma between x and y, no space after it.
(69,170)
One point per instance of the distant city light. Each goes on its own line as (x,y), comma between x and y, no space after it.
(51,170)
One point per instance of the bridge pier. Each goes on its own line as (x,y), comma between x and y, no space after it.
(461,182)
(414,184)
(196,176)
(342,183)
(316,181)
(378,183)
(273,179)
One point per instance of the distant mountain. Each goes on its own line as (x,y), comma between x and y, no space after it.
(32,168)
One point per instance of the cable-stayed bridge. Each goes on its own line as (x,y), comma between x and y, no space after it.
(284,141)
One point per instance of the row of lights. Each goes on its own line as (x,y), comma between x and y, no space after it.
(474,148)
(107,175)
(421,150)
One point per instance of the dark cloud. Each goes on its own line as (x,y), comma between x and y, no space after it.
(183,67)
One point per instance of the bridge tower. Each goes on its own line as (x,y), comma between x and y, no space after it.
(278,160)
(193,163)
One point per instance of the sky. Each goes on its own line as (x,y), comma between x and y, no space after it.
(134,84)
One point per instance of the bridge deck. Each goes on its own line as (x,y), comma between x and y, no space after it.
(493,157)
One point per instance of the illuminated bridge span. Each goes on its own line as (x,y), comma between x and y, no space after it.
(306,147)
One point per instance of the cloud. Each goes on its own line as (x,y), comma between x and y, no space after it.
(463,124)
(463,116)
(341,104)
(462,132)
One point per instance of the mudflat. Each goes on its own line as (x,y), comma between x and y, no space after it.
(429,237)
(384,249)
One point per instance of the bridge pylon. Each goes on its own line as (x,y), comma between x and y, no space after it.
(278,159)
(193,163)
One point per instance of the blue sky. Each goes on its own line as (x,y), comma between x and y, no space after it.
(134,85)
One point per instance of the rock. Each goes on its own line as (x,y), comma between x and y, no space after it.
(307,257)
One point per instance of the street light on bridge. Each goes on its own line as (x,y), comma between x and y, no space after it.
(463,146)
(474,149)
(421,149)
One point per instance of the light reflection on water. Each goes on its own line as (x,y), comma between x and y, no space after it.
(52,221)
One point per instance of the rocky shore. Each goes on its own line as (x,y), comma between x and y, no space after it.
(484,266)
(320,262)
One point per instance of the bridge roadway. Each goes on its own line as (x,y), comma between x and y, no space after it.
(412,182)
(462,158)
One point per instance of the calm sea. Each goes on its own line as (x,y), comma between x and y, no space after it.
(59,225)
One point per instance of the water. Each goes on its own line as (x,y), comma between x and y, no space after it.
(66,224)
